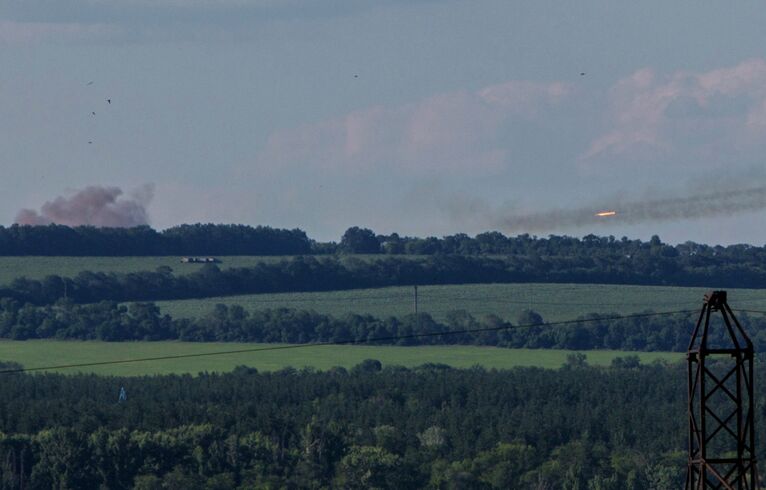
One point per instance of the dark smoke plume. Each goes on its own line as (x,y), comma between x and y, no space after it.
(95,206)
(634,212)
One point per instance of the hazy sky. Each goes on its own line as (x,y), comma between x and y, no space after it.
(421,117)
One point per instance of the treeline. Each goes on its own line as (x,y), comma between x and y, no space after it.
(306,273)
(371,427)
(109,321)
(213,239)
(199,239)
(364,240)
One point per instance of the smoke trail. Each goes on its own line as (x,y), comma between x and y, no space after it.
(93,205)
(635,212)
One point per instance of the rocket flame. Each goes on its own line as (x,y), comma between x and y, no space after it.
(603,214)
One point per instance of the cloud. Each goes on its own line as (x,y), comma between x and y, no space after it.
(721,108)
(455,130)
(94,206)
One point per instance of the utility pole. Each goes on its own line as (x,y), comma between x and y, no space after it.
(417,317)
(529,297)
(721,401)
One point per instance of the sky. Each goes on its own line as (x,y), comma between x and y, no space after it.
(421,117)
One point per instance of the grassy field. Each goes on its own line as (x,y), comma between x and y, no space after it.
(43,353)
(39,267)
(554,301)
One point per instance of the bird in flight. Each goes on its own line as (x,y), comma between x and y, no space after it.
(582,73)
(89,83)
(92,113)
(108,101)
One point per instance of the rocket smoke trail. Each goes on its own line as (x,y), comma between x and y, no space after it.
(667,209)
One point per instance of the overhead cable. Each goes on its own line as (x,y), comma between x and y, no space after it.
(343,342)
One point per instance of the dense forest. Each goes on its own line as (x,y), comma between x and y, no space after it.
(618,428)
(197,239)
(210,239)
(111,321)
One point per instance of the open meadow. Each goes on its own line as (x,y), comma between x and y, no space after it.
(42,353)
(555,302)
(37,267)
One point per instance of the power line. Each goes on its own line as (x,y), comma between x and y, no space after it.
(344,342)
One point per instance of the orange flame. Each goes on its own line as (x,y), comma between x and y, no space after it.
(603,214)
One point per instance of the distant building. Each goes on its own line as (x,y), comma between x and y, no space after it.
(199,260)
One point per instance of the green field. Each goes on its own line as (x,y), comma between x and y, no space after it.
(43,353)
(554,301)
(39,267)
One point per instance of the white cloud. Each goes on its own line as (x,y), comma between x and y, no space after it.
(723,108)
(450,131)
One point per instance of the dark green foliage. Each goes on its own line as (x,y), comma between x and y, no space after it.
(111,321)
(359,241)
(198,239)
(368,428)
(368,365)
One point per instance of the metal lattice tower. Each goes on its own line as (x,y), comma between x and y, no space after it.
(721,399)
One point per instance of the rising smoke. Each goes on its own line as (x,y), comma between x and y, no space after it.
(634,212)
(95,206)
